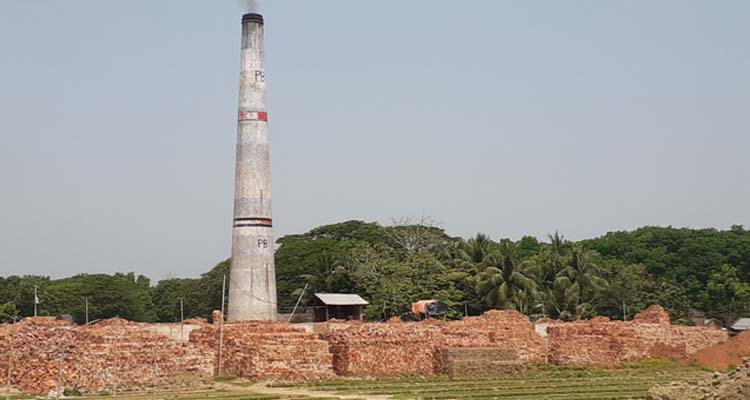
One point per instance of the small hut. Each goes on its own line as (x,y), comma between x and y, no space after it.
(741,325)
(346,307)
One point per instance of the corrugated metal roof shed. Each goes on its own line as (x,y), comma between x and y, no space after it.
(742,324)
(340,299)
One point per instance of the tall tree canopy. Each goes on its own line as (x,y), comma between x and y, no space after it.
(615,275)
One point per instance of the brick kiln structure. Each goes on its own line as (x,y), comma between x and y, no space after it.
(114,355)
(123,356)
(263,350)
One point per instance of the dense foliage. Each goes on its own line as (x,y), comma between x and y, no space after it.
(615,275)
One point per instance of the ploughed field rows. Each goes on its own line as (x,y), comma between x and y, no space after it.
(201,395)
(543,382)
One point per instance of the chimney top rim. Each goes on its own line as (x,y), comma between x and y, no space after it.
(252,18)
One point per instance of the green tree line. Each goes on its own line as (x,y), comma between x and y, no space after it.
(616,275)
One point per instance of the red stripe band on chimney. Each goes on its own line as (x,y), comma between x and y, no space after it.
(248,222)
(254,116)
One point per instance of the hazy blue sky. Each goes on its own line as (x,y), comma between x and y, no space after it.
(118,121)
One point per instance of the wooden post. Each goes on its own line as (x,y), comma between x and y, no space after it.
(60,383)
(221,327)
(114,364)
(10,358)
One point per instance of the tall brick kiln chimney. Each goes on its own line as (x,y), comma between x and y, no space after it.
(252,285)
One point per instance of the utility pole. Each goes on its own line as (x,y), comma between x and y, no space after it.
(115,346)
(10,358)
(36,299)
(182,318)
(221,327)
(294,310)
(60,383)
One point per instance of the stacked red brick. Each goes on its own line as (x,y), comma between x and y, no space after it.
(604,342)
(267,350)
(498,329)
(110,356)
(417,348)
(385,349)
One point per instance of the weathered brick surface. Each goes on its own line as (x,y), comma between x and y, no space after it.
(604,342)
(267,350)
(653,315)
(503,329)
(396,348)
(385,349)
(116,354)
(481,363)
(404,348)
(113,355)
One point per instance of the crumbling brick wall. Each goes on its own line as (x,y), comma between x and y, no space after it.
(603,342)
(396,348)
(500,329)
(118,355)
(653,315)
(385,349)
(262,350)
(112,355)
(408,348)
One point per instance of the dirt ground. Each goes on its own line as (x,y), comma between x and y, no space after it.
(725,355)
(291,392)
(733,385)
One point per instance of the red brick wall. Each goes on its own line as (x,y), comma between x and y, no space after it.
(129,356)
(385,349)
(604,342)
(498,329)
(113,355)
(267,350)
(407,348)
(416,347)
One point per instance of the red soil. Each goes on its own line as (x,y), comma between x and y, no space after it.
(724,355)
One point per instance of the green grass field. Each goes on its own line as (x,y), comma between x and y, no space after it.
(542,382)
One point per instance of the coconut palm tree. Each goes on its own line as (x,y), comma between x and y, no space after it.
(505,282)
(579,282)
(328,271)
(554,258)
(478,248)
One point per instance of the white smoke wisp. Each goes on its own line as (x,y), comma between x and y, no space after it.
(250,6)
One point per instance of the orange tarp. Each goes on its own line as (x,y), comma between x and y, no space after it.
(420,307)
